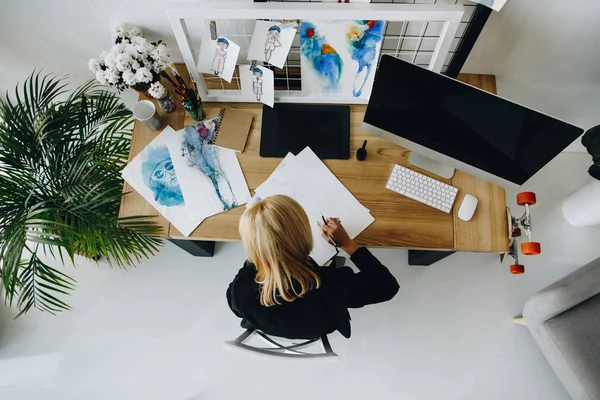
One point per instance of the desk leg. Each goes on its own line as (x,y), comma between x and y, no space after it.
(198,248)
(420,257)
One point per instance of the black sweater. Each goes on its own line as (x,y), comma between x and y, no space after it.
(320,311)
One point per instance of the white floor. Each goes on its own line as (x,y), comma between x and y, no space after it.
(156,331)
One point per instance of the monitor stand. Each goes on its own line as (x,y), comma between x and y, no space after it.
(435,167)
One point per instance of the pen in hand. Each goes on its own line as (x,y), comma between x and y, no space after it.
(333,243)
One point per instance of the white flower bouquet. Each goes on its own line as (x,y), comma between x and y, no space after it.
(132,62)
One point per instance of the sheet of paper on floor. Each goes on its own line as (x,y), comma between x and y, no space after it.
(211,178)
(306,179)
(152,175)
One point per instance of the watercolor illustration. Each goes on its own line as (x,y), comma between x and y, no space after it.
(272,42)
(338,58)
(154,175)
(322,57)
(257,83)
(364,37)
(218,64)
(218,57)
(199,152)
(159,175)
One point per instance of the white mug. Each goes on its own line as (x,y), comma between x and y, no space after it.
(145,112)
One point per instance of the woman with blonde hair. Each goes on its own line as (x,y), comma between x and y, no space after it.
(281,291)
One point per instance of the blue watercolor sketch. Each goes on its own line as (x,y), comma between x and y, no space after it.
(198,149)
(159,176)
(363,37)
(323,58)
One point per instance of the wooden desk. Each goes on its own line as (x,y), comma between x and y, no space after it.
(399,221)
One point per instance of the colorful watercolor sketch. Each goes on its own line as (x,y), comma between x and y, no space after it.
(218,63)
(153,174)
(159,175)
(272,41)
(322,58)
(199,150)
(257,83)
(364,37)
(218,57)
(338,58)
(210,177)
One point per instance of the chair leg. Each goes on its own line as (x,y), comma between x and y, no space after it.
(519,321)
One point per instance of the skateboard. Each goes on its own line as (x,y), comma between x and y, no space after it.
(516,228)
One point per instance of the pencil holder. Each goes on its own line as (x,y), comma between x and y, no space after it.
(197,113)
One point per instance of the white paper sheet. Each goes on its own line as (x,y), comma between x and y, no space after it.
(307,180)
(218,57)
(151,174)
(258,84)
(271,43)
(210,177)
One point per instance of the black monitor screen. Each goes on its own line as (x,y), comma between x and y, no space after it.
(480,129)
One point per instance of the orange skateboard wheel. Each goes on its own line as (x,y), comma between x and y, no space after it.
(517,269)
(526,198)
(531,248)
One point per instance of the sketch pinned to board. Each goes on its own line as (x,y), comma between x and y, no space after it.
(495,5)
(271,43)
(152,174)
(211,178)
(218,57)
(339,58)
(258,83)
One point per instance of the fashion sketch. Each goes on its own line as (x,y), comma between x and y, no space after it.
(272,41)
(199,151)
(257,83)
(218,63)
(159,176)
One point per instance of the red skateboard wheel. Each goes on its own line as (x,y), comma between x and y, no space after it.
(531,248)
(517,269)
(526,198)
(517,232)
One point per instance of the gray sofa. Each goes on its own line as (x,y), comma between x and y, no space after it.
(564,319)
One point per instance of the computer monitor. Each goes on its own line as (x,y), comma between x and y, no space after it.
(448,123)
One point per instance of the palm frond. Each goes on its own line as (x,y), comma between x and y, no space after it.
(61,159)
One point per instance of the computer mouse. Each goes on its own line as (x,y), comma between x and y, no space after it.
(468,207)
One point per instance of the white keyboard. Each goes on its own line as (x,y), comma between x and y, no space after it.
(422,188)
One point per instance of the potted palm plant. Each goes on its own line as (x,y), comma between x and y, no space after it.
(61,156)
(582,208)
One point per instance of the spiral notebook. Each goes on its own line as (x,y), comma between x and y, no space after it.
(233,128)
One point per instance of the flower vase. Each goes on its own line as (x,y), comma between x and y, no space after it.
(166,103)
(197,113)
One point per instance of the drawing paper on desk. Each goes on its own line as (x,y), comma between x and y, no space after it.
(152,175)
(306,179)
(211,178)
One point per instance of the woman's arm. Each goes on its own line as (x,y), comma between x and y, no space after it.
(373,284)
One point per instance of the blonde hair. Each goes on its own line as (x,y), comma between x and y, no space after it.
(277,238)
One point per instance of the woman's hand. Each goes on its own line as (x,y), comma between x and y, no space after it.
(335,229)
